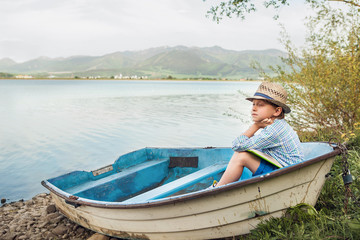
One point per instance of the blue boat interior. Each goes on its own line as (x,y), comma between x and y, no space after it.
(153,173)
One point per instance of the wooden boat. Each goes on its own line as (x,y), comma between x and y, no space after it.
(161,193)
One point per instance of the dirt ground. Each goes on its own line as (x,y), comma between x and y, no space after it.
(38,218)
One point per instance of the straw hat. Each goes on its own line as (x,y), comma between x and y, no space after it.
(272,92)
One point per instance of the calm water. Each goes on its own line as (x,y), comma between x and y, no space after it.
(49,128)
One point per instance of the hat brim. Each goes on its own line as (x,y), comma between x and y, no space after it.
(280,104)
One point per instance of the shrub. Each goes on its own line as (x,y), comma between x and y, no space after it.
(324,78)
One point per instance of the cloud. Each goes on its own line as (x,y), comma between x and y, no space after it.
(32,28)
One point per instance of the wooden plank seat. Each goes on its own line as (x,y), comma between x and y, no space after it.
(179,184)
(145,168)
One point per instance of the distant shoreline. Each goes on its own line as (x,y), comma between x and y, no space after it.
(156,79)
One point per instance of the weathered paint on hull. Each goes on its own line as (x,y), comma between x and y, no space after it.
(228,213)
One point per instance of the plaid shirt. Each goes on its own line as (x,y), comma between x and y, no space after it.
(278,140)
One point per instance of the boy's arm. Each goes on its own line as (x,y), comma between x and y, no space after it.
(246,141)
(251,130)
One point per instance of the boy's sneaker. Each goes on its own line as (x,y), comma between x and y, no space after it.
(213,185)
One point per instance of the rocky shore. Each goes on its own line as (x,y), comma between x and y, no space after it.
(38,218)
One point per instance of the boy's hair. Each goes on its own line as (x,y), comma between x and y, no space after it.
(282,114)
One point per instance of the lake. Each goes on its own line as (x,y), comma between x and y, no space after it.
(51,127)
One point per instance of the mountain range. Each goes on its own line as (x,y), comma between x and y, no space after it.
(178,62)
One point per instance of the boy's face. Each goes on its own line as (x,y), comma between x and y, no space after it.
(262,109)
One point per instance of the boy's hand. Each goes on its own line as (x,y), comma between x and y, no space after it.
(265,122)
(257,125)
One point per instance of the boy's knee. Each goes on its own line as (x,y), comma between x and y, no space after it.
(247,159)
(242,157)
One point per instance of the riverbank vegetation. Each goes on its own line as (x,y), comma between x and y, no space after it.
(324,87)
(324,92)
(6,75)
(323,83)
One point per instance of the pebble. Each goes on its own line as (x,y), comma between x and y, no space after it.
(22,237)
(98,236)
(52,216)
(60,230)
(80,230)
(51,208)
(38,218)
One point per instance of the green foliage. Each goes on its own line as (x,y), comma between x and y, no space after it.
(231,7)
(240,8)
(324,82)
(324,87)
(332,195)
(354,142)
(6,75)
(319,226)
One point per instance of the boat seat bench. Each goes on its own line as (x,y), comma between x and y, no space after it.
(179,184)
(148,166)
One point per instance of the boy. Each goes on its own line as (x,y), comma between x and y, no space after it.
(277,139)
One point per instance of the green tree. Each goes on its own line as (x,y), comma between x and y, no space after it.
(240,8)
(324,77)
(6,75)
(324,80)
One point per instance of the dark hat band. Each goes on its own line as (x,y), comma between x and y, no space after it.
(263,95)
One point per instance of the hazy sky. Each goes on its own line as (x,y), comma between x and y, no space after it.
(53,28)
